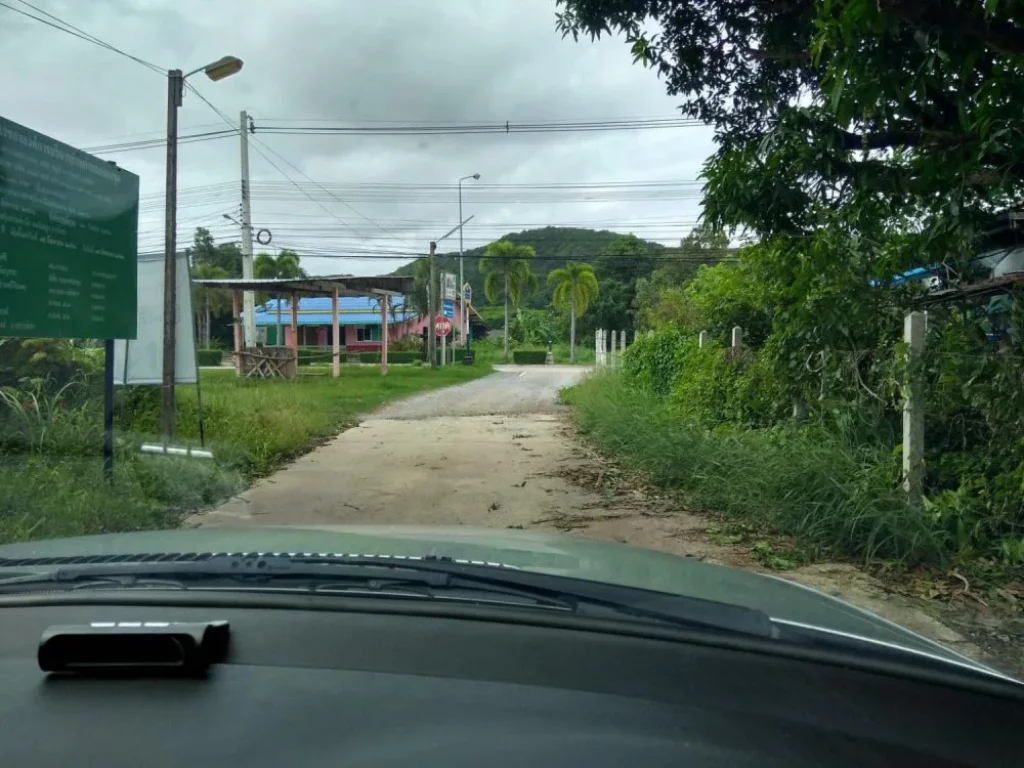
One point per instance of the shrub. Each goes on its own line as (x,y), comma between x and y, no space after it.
(209,356)
(529,356)
(654,362)
(397,358)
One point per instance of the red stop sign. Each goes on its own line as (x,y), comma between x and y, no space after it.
(442,326)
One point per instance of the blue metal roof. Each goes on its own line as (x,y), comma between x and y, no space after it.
(316,310)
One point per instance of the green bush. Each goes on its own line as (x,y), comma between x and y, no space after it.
(209,356)
(529,356)
(396,358)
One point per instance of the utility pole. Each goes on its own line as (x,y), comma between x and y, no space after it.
(175,88)
(432,291)
(225,66)
(464,314)
(249,298)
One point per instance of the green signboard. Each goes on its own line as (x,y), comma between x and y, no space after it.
(68,240)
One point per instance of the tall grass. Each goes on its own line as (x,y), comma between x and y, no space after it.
(51,477)
(808,482)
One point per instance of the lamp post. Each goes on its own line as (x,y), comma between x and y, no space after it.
(217,70)
(464,314)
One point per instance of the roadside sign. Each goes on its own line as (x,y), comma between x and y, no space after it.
(448,283)
(448,309)
(467,292)
(68,240)
(442,326)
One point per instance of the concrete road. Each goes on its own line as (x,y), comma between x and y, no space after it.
(497,453)
(483,453)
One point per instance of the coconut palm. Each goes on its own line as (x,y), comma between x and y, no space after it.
(207,302)
(575,289)
(507,273)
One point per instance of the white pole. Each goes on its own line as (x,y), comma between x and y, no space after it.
(444,348)
(249,298)
(462,277)
(597,347)
(913,409)
(612,347)
(702,339)
(622,341)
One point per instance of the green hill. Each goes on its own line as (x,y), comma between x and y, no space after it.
(554,247)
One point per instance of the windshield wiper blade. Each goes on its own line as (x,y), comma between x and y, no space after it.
(428,576)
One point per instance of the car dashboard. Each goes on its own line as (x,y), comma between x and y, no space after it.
(380,683)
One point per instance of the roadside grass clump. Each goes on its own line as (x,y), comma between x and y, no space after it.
(805,481)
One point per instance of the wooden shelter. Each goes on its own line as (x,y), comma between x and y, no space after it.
(283,362)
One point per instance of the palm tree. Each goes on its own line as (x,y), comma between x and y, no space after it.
(506,269)
(575,289)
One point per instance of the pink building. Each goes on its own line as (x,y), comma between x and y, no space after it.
(359,319)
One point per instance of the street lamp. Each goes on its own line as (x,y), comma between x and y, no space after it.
(217,70)
(464,314)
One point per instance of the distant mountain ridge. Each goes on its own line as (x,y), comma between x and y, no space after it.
(554,247)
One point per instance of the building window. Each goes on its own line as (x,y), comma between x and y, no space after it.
(368,333)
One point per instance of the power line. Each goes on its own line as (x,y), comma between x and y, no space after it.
(130,146)
(459,129)
(74,31)
(317,184)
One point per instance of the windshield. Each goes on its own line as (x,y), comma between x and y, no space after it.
(698,298)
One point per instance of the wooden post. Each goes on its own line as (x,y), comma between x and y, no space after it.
(335,337)
(236,301)
(913,409)
(295,331)
(383,335)
(702,339)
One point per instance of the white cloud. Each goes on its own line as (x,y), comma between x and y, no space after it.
(404,61)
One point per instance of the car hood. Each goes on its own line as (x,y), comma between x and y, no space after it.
(550,553)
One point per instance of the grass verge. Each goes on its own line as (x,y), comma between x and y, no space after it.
(51,480)
(803,482)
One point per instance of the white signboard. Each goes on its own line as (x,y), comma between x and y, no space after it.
(141,360)
(448,286)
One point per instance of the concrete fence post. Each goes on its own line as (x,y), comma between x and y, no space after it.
(622,342)
(597,347)
(913,409)
(612,348)
(702,339)
(737,338)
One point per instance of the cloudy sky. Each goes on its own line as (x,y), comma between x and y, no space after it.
(345,200)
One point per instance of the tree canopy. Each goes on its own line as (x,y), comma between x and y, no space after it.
(870,115)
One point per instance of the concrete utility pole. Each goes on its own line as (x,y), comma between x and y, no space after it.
(913,409)
(464,314)
(249,303)
(217,70)
(432,291)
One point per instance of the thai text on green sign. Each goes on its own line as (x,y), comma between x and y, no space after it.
(68,240)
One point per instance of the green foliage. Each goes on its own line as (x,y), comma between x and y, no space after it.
(51,481)
(803,481)
(508,275)
(209,356)
(529,357)
(398,358)
(53,362)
